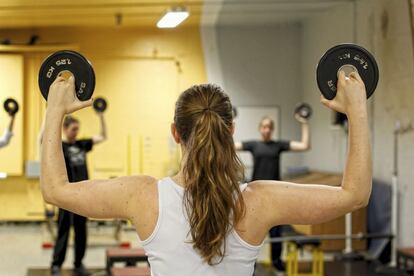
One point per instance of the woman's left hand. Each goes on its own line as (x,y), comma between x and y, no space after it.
(62,96)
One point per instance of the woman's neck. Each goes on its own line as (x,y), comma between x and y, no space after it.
(179,178)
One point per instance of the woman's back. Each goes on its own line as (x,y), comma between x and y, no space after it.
(211,172)
(169,247)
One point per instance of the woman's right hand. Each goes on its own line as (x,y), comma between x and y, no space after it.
(62,96)
(350,97)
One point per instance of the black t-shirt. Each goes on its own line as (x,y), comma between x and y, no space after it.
(266,158)
(75,159)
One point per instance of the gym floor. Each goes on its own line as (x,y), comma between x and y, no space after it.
(22,248)
(35,261)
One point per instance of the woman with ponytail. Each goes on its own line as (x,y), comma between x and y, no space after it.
(204,221)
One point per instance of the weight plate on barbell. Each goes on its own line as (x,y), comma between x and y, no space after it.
(304,110)
(11,106)
(348,57)
(68,61)
(99,104)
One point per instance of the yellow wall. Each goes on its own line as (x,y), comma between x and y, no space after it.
(11,80)
(138,73)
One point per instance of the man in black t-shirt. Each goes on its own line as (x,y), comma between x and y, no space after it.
(74,152)
(266,165)
(266,157)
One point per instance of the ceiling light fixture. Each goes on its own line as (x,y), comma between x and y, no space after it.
(173,18)
(3,175)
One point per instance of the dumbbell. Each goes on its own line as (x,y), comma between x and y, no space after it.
(11,106)
(100,105)
(65,64)
(348,58)
(304,110)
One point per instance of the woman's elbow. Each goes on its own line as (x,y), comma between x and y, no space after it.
(48,197)
(50,192)
(360,202)
(364,202)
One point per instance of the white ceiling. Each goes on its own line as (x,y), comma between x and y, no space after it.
(259,12)
(145,13)
(48,13)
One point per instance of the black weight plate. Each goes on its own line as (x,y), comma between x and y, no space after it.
(99,104)
(346,54)
(11,106)
(304,110)
(71,61)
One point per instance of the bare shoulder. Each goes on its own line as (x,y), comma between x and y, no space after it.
(255,196)
(255,186)
(254,226)
(259,188)
(145,181)
(142,186)
(144,209)
(269,192)
(139,179)
(262,196)
(137,191)
(267,188)
(279,202)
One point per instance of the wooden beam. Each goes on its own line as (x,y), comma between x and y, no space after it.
(37,48)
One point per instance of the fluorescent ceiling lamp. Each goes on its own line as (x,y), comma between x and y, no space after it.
(3,175)
(173,18)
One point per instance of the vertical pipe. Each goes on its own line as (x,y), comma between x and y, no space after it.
(348,233)
(394,198)
(141,155)
(129,154)
(394,220)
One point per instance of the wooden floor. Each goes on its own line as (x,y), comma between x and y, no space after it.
(337,268)
(357,268)
(65,272)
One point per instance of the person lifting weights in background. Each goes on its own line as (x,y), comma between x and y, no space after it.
(74,152)
(266,165)
(11,107)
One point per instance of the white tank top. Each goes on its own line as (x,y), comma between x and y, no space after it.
(170,252)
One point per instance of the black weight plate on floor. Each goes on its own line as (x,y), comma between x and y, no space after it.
(99,104)
(71,61)
(304,110)
(346,54)
(11,106)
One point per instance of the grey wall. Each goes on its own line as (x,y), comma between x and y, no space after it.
(276,65)
(383,27)
(320,32)
(259,65)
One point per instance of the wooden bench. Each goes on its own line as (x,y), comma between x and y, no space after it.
(130,271)
(129,256)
